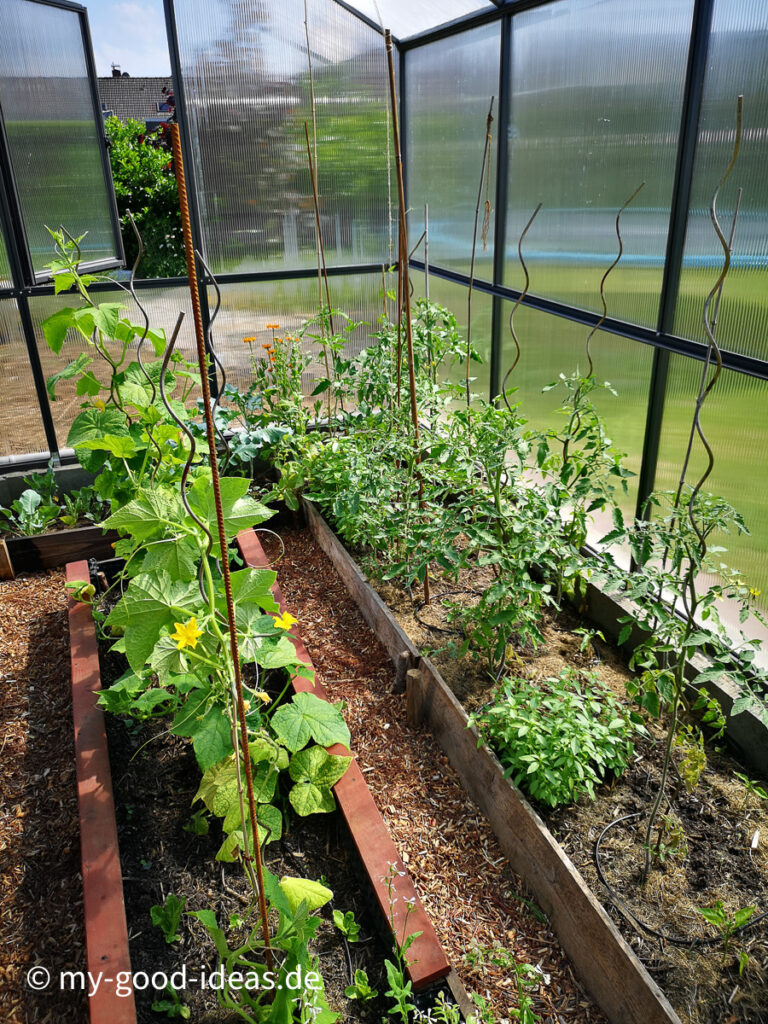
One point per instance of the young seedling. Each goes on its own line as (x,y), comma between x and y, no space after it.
(167,916)
(360,989)
(347,925)
(728,923)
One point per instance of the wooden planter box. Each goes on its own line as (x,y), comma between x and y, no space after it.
(105,921)
(603,960)
(51,550)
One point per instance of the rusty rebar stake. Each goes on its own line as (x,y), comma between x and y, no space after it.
(189,253)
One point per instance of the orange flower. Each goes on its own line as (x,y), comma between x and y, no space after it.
(273,327)
(248,341)
(267,347)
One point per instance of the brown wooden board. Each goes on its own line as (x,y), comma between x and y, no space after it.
(427,961)
(6,568)
(106,932)
(608,968)
(51,550)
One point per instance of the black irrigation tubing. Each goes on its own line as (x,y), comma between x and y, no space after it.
(674,940)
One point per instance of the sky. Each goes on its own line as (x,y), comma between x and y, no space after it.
(130,33)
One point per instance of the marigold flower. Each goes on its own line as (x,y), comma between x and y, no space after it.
(284,621)
(186,634)
(268,347)
(248,341)
(273,327)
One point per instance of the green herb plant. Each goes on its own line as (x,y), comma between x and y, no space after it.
(360,989)
(560,737)
(728,923)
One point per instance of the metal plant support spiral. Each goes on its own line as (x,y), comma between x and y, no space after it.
(605,276)
(519,300)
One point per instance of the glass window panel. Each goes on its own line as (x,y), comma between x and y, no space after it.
(405,18)
(247,85)
(738,64)
(596,96)
(21,425)
(549,346)
(740,444)
(247,309)
(444,144)
(50,122)
(163,306)
(454,297)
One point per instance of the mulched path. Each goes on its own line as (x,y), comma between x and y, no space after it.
(471,895)
(41,903)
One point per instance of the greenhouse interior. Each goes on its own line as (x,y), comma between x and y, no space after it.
(383,557)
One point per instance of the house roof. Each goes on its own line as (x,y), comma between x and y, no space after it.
(132,97)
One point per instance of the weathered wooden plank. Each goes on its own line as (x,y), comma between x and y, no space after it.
(604,961)
(51,550)
(6,568)
(106,931)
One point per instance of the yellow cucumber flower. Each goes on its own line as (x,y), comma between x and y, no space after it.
(284,621)
(186,634)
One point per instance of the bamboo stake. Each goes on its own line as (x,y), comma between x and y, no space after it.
(189,253)
(405,289)
(322,270)
(485,163)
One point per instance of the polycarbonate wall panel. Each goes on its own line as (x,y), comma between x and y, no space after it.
(49,116)
(5,269)
(735,422)
(738,64)
(247,309)
(449,86)
(247,85)
(405,18)
(454,297)
(596,97)
(21,426)
(163,306)
(549,346)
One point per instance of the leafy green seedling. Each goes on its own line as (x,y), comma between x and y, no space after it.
(168,916)
(198,824)
(727,923)
(172,1007)
(347,925)
(360,989)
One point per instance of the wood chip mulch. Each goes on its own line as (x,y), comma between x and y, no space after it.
(470,893)
(41,907)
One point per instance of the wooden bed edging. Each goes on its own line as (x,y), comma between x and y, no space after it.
(367,828)
(106,931)
(51,550)
(604,961)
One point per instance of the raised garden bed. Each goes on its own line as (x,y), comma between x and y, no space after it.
(106,931)
(609,968)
